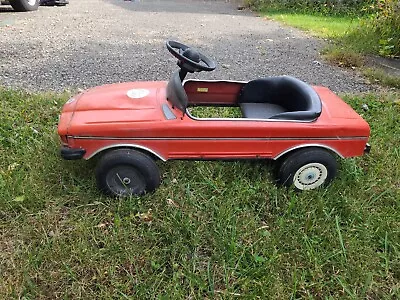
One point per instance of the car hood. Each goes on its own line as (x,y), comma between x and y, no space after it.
(112,105)
(119,97)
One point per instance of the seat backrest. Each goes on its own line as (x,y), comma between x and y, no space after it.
(176,94)
(297,97)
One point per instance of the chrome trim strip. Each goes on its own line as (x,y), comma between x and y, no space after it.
(307,145)
(213,80)
(236,119)
(163,159)
(134,146)
(222,138)
(245,119)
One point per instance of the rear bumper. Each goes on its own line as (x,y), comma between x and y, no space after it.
(367,148)
(71,153)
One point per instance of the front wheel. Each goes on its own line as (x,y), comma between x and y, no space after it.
(126,172)
(25,5)
(307,169)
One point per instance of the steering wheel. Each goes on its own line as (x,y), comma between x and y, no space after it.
(189,58)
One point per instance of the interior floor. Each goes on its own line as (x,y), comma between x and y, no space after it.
(215,111)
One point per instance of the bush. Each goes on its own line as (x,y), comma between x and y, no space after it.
(386,25)
(327,7)
(379,30)
(379,33)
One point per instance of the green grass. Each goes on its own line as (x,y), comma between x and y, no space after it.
(317,25)
(212,230)
(215,112)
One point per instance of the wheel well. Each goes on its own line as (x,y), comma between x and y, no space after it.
(143,150)
(285,154)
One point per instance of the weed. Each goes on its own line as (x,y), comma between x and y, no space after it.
(380,77)
(343,57)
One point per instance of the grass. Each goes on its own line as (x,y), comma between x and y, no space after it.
(215,112)
(317,25)
(212,230)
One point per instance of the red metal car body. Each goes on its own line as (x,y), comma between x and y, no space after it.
(141,116)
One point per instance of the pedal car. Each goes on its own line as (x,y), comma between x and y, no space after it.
(130,125)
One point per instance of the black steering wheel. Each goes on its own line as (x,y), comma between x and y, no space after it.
(189,59)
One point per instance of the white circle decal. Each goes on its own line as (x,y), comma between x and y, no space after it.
(137,93)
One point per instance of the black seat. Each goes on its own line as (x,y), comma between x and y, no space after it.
(260,110)
(282,98)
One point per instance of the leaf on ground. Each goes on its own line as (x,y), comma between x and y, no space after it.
(171,202)
(145,217)
(19,199)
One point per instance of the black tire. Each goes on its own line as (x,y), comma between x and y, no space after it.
(25,5)
(307,169)
(126,172)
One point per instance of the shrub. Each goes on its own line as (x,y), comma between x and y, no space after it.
(386,25)
(379,30)
(379,33)
(328,7)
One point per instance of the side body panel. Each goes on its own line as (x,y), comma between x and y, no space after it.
(339,128)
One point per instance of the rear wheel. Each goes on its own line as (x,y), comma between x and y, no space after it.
(307,169)
(25,5)
(126,172)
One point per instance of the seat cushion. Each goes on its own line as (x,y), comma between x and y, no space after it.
(260,110)
(296,99)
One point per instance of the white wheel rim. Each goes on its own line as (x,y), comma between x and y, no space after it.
(310,176)
(32,2)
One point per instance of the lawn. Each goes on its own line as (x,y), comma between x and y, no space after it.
(212,230)
(317,25)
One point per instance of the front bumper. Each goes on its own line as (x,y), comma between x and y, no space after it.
(367,148)
(71,153)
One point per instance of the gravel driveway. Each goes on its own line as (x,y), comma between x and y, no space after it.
(92,42)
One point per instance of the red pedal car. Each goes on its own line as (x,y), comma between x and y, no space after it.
(130,125)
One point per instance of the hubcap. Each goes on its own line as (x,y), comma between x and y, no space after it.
(310,176)
(125,181)
(32,2)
